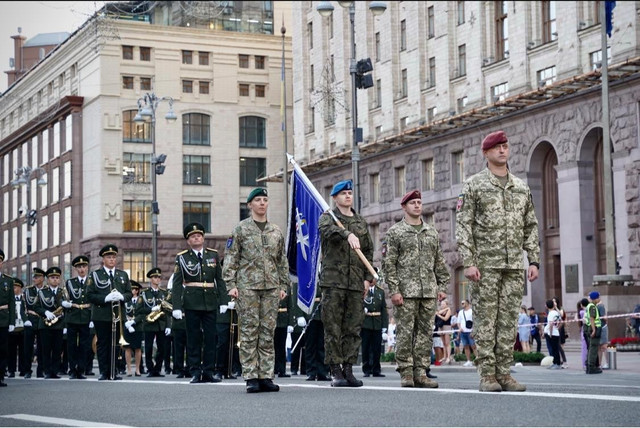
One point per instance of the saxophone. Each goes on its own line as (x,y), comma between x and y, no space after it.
(153,316)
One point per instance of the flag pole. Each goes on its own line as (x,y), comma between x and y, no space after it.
(327,209)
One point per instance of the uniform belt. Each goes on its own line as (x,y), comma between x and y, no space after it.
(4,307)
(373,314)
(282,309)
(30,312)
(200,284)
(81,306)
(317,299)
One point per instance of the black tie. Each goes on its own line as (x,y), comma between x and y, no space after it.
(17,298)
(81,282)
(200,257)
(111,277)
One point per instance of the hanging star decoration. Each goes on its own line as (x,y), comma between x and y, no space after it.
(302,237)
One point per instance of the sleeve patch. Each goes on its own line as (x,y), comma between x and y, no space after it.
(460,203)
(229,242)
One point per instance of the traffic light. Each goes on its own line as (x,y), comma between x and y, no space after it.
(364,80)
(158,161)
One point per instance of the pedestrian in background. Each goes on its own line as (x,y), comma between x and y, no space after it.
(552,333)
(563,331)
(524,330)
(443,323)
(592,331)
(604,336)
(535,328)
(465,327)
(581,308)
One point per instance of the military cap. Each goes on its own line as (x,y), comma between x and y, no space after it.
(414,194)
(37,271)
(258,191)
(80,260)
(18,282)
(154,272)
(494,139)
(1,255)
(594,295)
(54,271)
(342,185)
(135,284)
(192,228)
(108,249)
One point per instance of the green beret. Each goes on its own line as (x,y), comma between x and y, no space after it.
(80,260)
(192,228)
(108,249)
(154,272)
(54,271)
(258,191)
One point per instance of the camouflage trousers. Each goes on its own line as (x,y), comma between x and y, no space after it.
(496,300)
(414,334)
(342,315)
(257,315)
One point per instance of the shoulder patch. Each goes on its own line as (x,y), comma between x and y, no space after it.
(229,242)
(183,252)
(460,203)
(212,249)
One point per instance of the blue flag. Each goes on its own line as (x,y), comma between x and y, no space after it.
(303,238)
(608,10)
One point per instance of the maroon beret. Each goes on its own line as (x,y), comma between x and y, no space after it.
(494,139)
(414,194)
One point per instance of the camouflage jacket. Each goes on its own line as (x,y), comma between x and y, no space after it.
(414,265)
(494,225)
(256,259)
(341,266)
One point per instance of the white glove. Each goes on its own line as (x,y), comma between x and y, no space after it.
(167,331)
(366,310)
(66,304)
(49,315)
(131,329)
(11,328)
(130,323)
(385,336)
(111,297)
(232,304)
(155,308)
(28,324)
(118,295)
(384,330)
(302,322)
(177,314)
(289,329)
(64,330)
(223,308)
(90,324)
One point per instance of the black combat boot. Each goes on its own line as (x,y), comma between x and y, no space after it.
(337,378)
(348,375)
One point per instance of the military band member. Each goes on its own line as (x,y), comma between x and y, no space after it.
(227,329)
(32,337)
(197,285)
(257,272)
(51,311)
(150,301)
(375,323)
(109,287)
(283,327)
(179,333)
(313,339)
(297,321)
(7,316)
(133,334)
(16,338)
(77,317)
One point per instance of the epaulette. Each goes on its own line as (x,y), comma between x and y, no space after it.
(211,249)
(28,287)
(183,252)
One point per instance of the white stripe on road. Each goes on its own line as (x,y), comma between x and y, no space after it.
(58,421)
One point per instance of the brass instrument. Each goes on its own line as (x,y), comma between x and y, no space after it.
(57,313)
(115,318)
(153,316)
(233,330)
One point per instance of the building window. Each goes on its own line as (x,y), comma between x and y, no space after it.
(245,212)
(136,168)
(312,119)
(460,12)
(138,263)
(432,72)
(546,76)
(260,90)
(549,32)
(400,183)
(251,169)
(145,83)
(403,35)
(187,57)
(377,48)
(127,82)
(253,132)
(187,86)
(312,77)
(462,60)
(404,90)
(374,188)
(595,58)
(196,169)
(457,167)
(127,52)
(502,30)
(431,113)
(428,175)
(203,87)
(403,123)
(259,59)
(196,129)
(145,54)
(243,89)
(203,58)
(431,23)
(378,92)
(330,25)
(134,132)
(243,61)
(462,104)
(500,91)
(136,216)
(310,34)
(374,231)
(199,212)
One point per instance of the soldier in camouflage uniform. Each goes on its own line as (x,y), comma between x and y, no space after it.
(257,272)
(343,280)
(416,274)
(496,221)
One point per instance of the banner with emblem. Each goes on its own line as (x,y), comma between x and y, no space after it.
(303,236)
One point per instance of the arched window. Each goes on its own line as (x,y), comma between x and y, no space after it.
(253,132)
(134,132)
(196,129)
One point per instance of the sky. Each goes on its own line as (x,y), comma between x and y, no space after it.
(37,17)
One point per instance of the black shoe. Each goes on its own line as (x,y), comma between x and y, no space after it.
(378,375)
(267,385)
(210,379)
(137,374)
(103,377)
(230,377)
(366,375)
(294,373)
(218,377)
(89,374)
(311,377)
(195,379)
(154,374)
(12,374)
(283,375)
(237,374)
(73,376)
(27,376)
(2,384)
(180,376)
(40,376)
(323,378)
(594,371)
(253,386)
(431,376)
(117,378)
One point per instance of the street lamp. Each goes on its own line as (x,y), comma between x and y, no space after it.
(147,106)
(24,175)
(359,80)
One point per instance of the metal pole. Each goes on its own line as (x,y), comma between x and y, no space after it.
(606,153)
(154,202)
(355,151)
(283,108)
(28,227)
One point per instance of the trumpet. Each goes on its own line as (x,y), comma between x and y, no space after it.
(58,314)
(153,316)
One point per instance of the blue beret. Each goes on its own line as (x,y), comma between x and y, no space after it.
(594,295)
(340,186)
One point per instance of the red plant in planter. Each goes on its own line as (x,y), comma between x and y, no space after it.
(624,341)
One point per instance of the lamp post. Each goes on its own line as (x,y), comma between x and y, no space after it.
(24,175)
(147,106)
(358,81)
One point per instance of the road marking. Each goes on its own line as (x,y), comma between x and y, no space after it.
(59,421)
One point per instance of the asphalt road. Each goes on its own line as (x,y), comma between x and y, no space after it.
(553,398)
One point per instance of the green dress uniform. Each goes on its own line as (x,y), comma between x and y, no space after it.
(32,334)
(77,318)
(153,331)
(280,335)
(376,318)
(50,300)
(179,332)
(228,335)
(16,338)
(7,318)
(298,355)
(495,223)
